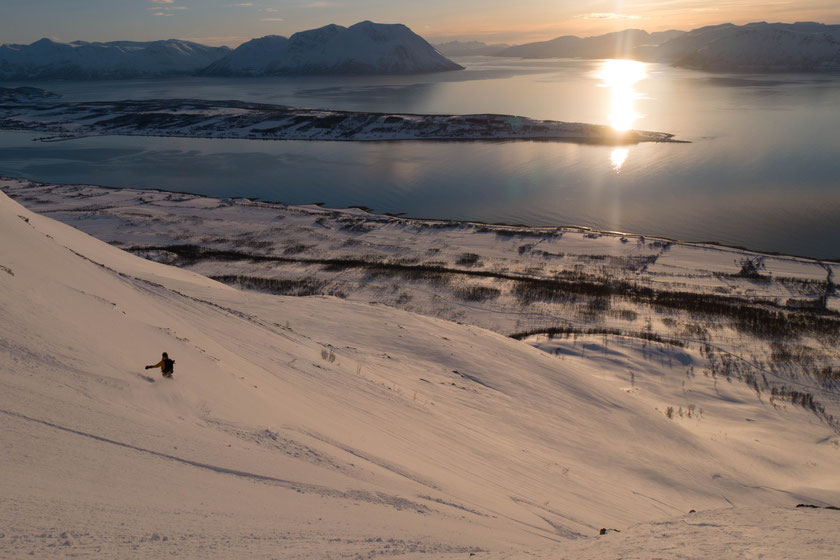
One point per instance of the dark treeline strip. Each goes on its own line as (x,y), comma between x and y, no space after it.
(761,317)
(567,330)
(283,287)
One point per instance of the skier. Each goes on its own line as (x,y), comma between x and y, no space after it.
(166,365)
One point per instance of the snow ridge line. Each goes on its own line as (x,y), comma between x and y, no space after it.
(378,498)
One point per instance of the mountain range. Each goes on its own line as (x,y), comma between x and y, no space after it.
(470,48)
(755,47)
(373,48)
(48,59)
(364,48)
(620,44)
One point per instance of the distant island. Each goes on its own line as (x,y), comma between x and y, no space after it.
(236,119)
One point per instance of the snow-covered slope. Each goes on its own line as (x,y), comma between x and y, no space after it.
(314,427)
(119,59)
(620,44)
(364,48)
(755,47)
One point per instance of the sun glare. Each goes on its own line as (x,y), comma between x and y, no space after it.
(617,158)
(620,76)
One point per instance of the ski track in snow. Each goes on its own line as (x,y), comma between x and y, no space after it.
(394,501)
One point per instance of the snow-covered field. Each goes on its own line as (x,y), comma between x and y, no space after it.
(340,427)
(235,119)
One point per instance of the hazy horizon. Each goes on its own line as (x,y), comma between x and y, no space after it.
(217,22)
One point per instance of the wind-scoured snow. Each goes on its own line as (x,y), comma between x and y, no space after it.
(235,119)
(318,427)
(80,60)
(363,48)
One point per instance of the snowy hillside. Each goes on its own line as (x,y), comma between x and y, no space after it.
(316,427)
(757,47)
(47,59)
(364,48)
(620,44)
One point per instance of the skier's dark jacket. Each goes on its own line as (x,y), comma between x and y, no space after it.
(166,366)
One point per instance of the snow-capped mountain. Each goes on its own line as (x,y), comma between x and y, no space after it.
(612,45)
(364,48)
(46,59)
(762,47)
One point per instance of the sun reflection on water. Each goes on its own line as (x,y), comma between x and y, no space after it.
(620,76)
(617,158)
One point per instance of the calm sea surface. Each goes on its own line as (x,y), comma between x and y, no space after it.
(762,169)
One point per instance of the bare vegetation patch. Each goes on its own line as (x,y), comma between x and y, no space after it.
(276,286)
(468,259)
(477,293)
(296,249)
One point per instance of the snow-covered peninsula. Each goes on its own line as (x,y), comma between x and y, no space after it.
(331,425)
(235,119)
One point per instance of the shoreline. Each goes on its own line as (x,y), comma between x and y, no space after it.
(406,216)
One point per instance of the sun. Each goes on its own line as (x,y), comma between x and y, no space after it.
(621,76)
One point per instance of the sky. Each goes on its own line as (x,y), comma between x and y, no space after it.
(231,22)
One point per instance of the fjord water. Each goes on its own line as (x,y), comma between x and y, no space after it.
(762,169)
